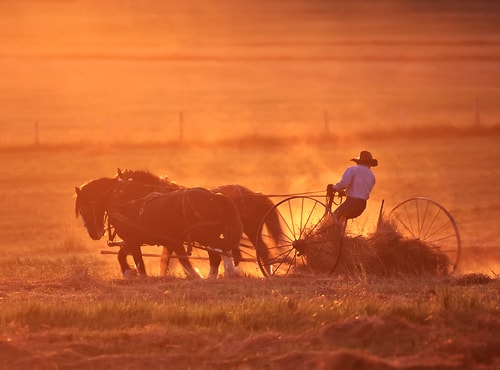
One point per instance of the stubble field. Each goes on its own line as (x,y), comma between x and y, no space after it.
(64,305)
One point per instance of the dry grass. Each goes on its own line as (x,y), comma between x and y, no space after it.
(82,318)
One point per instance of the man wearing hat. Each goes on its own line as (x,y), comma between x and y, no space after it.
(358,182)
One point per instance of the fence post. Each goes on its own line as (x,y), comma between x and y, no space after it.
(477,114)
(181,126)
(37,140)
(326,123)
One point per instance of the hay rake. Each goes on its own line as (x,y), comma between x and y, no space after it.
(312,237)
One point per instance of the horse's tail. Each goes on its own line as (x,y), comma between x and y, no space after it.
(233,228)
(253,207)
(272,218)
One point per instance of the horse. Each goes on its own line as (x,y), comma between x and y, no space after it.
(141,216)
(252,206)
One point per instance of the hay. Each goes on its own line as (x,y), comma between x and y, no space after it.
(472,279)
(358,257)
(403,256)
(322,258)
(387,252)
(322,249)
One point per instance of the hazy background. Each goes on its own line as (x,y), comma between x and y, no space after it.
(96,71)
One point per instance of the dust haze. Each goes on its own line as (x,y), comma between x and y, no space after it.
(113,71)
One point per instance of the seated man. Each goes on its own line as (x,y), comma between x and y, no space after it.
(358,182)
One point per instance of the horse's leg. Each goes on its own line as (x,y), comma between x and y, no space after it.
(135,249)
(231,263)
(184,261)
(166,255)
(215,259)
(127,272)
(236,253)
(230,270)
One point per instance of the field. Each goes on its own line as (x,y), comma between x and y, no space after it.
(65,306)
(276,96)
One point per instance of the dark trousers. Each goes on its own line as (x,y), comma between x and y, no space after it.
(351,208)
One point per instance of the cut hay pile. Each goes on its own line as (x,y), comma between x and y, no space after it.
(386,252)
(358,257)
(322,258)
(322,249)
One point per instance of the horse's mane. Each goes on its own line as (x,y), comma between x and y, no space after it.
(142,176)
(93,186)
(98,183)
(147,178)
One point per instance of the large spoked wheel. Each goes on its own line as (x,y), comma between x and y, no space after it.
(427,221)
(298,235)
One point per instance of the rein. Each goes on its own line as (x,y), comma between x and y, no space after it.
(110,229)
(316,193)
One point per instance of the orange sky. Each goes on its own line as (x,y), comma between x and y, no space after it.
(195,26)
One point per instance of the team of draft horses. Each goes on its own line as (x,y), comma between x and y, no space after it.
(145,209)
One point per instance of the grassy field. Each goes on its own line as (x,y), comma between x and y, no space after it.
(63,305)
(74,317)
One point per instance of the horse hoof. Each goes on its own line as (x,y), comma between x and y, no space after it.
(197,273)
(129,274)
(193,273)
(237,272)
(232,275)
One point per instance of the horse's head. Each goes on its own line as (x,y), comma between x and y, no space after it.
(91,203)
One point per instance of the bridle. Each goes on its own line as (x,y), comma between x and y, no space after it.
(90,215)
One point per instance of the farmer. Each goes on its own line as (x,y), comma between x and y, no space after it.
(358,182)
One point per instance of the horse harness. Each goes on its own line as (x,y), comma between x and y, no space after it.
(187,209)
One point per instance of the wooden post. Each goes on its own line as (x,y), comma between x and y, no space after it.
(181,127)
(326,123)
(477,114)
(37,137)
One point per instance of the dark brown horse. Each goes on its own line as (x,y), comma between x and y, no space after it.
(252,206)
(141,216)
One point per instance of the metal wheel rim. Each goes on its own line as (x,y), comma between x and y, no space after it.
(309,241)
(426,220)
